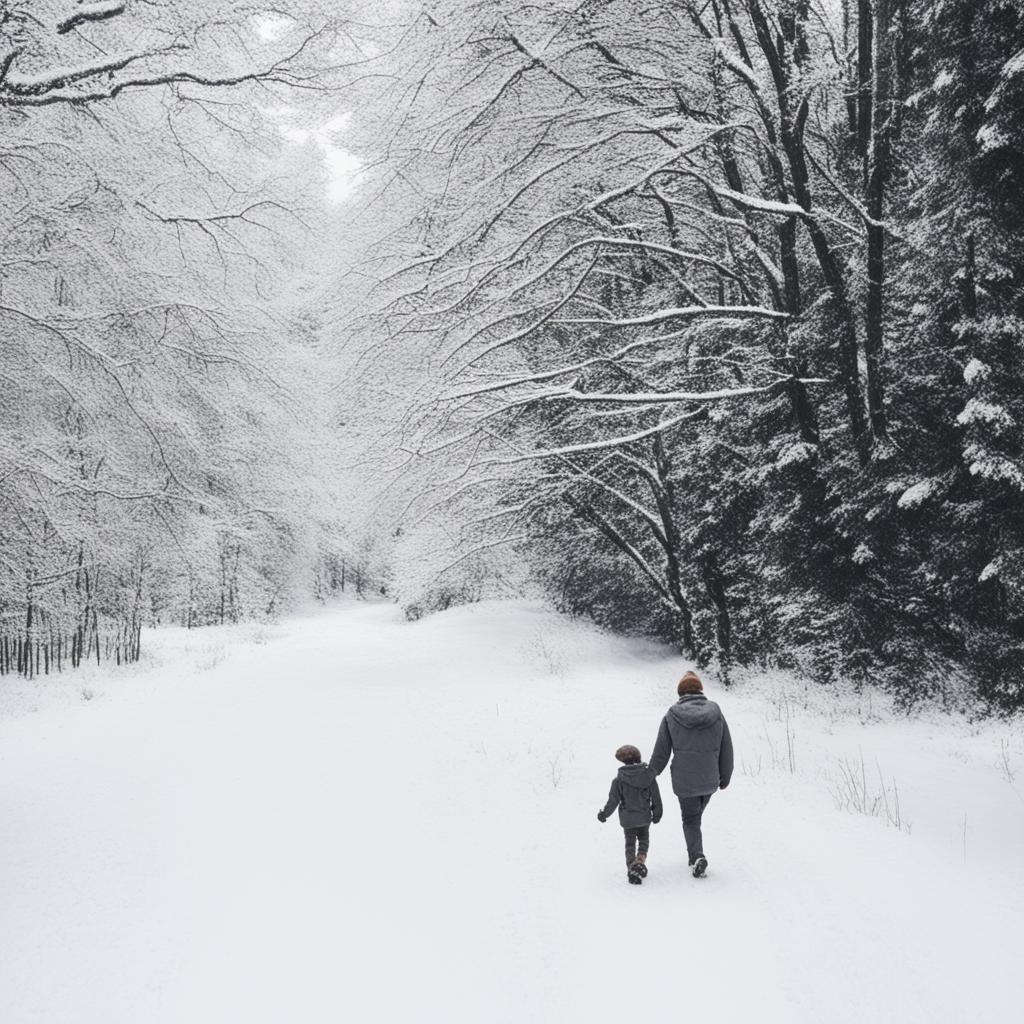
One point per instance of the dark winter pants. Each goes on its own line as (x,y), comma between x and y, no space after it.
(633,836)
(693,808)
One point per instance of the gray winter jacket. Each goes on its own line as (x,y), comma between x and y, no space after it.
(694,733)
(635,792)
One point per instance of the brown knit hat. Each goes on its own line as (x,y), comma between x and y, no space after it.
(628,754)
(690,683)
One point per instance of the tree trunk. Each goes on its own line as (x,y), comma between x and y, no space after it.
(28,635)
(715,585)
(865,32)
(878,172)
(851,89)
(791,131)
(671,543)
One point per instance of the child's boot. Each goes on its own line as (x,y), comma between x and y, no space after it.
(637,871)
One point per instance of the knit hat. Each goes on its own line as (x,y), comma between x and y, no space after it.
(628,754)
(690,683)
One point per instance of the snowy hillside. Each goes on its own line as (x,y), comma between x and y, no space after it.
(349,817)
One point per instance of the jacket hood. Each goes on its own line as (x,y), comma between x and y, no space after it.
(638,775)
(695,711)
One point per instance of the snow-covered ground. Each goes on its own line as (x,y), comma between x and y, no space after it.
(347,817)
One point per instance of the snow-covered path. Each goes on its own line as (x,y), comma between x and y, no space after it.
(349,817)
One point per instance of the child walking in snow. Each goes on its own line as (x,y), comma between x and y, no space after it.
(635,792)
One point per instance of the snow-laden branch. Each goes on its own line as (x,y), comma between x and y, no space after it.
(92,12)
(24,88)
(99,81)
(635,185)
(579,151)
(243,214)
(597,446)
(523,333)
(756,204)
(611,242)
(591,515)
(645,514)
(682,313)
(736,66)
(562,371)
(109,369)
(672,397)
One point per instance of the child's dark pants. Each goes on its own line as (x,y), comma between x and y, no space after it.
(635,836)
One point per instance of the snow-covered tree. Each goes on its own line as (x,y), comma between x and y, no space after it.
(679,301)
(160,394)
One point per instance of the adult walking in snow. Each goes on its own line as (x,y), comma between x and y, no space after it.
(695,735)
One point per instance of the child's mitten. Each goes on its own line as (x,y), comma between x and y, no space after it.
(601,816)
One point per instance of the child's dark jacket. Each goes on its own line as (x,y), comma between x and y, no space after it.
(635,792)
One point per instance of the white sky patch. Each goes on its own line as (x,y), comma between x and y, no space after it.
(342,166)
(271,25)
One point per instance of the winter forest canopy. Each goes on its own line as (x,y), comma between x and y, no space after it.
(163,449)
(705,320)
